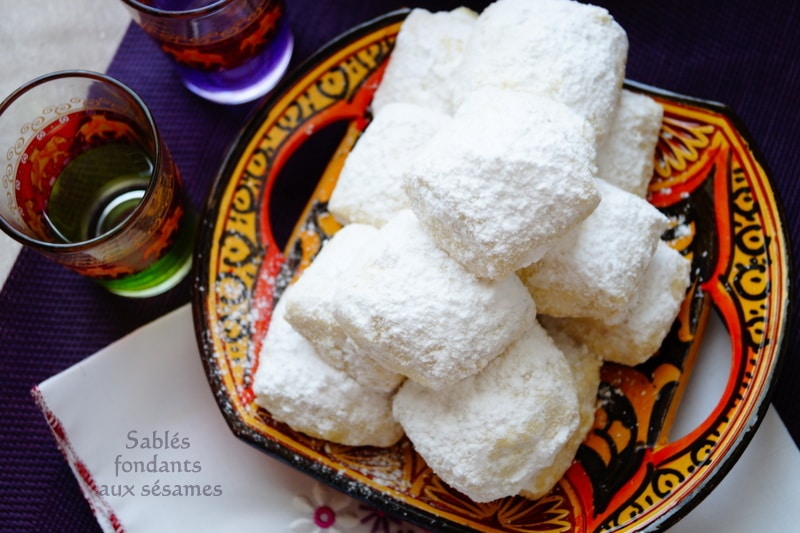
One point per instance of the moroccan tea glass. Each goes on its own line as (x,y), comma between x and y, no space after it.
(89,183)
(226,51)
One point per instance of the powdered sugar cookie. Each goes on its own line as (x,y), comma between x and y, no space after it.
(369,189)
(297,387)
(418,312)
(649,316)
(499,184)
(625,158)
(489,434)
(309,309)
(585,368)
(565,50)
(428,49)
(595,270)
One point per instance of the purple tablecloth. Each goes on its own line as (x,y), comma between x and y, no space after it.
(739,52)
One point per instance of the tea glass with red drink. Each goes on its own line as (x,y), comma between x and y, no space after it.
(89,183)
(226,51)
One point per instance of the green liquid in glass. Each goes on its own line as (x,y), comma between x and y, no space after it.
(98,190)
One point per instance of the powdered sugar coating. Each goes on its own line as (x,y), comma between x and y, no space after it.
(594,271)
(418,312)
(584,366)
(489,434)
(369,189)
(309,309)
(649,316)
(428,50)
(625,158)
(497,186)
(297,387)
(572,52)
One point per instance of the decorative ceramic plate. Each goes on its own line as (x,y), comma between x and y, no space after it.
(266,218)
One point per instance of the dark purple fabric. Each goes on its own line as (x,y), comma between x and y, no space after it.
(740,52)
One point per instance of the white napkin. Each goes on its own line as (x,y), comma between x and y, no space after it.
(149,389)
(145,401)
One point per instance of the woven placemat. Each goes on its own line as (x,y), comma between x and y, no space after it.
(739,53)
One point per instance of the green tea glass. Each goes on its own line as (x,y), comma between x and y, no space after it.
(89,183)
